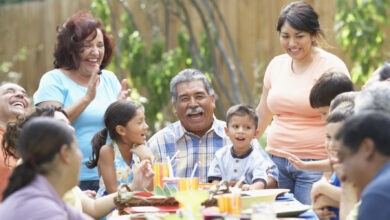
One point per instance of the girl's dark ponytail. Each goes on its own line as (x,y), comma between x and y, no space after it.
(21,176)
(98,141)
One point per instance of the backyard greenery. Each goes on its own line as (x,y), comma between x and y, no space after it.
(360,31)
(149,66)
(150,63)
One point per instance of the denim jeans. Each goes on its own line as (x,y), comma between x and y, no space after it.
(298,181)
(89,185)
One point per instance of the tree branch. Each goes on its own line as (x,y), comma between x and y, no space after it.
(233,49)
(230,66)
(213,55)
(118,50)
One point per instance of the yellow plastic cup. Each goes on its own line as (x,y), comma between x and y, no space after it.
(186,184)
(160,171)
(229,203)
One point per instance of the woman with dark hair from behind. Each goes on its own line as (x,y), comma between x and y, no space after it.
(14,128)
(51,163)
(82,200)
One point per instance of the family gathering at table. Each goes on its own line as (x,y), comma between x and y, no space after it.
(69,155)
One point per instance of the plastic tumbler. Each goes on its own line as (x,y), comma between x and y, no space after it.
(160,171)
(188,184)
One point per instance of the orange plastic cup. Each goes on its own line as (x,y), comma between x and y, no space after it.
(186,184)
(229,203)
(160,171)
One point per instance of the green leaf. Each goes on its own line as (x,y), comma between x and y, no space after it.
(173,191)
(167,191)
(359,24)
(158,191)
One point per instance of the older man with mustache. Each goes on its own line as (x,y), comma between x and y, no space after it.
(14,103)
(198,134)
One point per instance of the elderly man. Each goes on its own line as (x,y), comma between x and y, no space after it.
(14,102)
(197,135)
(379,75)
(364,152)
(374,98)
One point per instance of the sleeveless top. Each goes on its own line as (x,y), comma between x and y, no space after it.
(124,172)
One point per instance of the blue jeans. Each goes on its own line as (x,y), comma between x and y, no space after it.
(299,182)
(89,185)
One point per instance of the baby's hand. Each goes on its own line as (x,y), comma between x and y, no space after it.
(324,213)
(323,201)
(296,162)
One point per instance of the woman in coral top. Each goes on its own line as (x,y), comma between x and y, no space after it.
(296,127)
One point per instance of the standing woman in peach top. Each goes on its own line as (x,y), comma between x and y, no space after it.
(296,127)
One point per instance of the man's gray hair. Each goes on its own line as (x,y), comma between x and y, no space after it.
(189,75)
(374,98)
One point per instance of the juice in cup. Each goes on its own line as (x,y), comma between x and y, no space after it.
(188,184)
(229,203)
(160,171)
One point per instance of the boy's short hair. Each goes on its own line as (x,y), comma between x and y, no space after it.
(242,110)
(328,86)
(384,71)
(343,99)
(340,114)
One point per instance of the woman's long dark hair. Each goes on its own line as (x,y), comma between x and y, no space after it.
(38,143)
(118,113)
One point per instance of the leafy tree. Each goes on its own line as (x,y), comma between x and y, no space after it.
(359,25)
(143,67)
(151,67)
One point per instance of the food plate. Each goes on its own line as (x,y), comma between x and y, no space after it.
(262,195)
(285,209)
(151,209)
(136,216)
(289,209)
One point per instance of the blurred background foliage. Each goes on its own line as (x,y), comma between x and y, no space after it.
(360,31)
(149,68)
(149,64)
(4,2)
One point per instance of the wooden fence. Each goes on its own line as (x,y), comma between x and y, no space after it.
(251,23)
